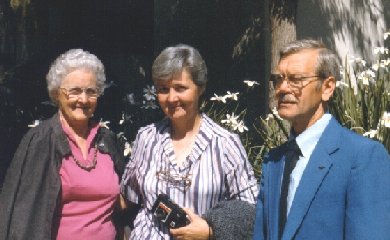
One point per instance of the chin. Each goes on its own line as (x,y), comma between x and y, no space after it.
(176,114)
(81,117)
(285,114)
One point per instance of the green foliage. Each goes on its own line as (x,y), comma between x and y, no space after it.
(361,101)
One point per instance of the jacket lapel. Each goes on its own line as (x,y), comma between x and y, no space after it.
(316,170)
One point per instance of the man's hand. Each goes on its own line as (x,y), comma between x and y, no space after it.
(198,229)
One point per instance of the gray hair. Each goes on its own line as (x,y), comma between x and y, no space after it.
(173,60)
(74,59)
(327,65)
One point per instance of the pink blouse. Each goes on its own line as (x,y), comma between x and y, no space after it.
(88,197)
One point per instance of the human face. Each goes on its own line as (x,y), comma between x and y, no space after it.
(305,105)
(77,109)
(179,97)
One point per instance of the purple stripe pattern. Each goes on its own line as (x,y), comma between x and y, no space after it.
(217,167)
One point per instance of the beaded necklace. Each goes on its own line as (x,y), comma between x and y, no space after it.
(88,167)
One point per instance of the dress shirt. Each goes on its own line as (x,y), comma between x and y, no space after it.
(306,141)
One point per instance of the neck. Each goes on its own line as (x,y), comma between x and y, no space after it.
(181,129)
(78,128)
(301,124)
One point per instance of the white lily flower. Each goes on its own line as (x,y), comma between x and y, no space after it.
(230,119)
(367,76)
(218,98)
(276,113)
(104,123)
(386,35)
(127,149)
(240,126)
(385,120)
(381,50)
(269,116)
(233,96)
(122,119)
(149,93)
(375,67)
(250,83)
(130,98)
(341,84)
(371,134)
(34,124)
(142,71)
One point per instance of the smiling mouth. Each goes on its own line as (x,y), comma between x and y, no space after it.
(83,108)
(174,107)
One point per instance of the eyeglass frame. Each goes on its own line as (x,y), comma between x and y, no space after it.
(83,90)
(278,82)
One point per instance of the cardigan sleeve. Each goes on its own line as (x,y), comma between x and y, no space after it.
(11,184)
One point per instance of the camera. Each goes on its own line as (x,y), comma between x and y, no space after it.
(169,213)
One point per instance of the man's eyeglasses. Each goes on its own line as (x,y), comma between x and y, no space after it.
(75,92)
(174,179)
(292,80)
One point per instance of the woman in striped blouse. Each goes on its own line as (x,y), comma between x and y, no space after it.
(187,156)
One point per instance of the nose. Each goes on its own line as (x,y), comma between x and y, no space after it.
(284,86)
(83,97)
(172,95)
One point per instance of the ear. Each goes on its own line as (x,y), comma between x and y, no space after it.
(328,87)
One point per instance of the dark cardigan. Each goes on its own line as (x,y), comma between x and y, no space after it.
(231,220)
(29,201)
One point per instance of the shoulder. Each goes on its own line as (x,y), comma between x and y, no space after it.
(216,130)
(348,138)
(43,130)
(153,129)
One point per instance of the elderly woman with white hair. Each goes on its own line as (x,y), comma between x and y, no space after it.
(63,182)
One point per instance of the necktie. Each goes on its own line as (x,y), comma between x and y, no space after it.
(291,155)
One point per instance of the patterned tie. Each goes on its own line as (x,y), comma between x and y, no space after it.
(292,155)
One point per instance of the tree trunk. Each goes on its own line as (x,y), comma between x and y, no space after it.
(283,30)
(283,26)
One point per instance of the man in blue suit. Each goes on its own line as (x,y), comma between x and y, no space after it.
(339,187)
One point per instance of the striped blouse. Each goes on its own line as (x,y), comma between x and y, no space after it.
(216,169)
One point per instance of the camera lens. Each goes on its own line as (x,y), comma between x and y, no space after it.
(160,213)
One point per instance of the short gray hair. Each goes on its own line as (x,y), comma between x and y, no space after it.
(74,59)
(327,62)
(173,60)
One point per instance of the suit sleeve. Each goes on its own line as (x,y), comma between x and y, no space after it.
(260,228)
(368,196)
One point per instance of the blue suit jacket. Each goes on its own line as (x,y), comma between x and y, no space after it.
(344,192)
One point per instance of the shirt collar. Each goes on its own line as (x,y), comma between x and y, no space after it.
(308,139)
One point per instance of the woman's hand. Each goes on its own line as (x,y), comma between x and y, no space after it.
(198,229)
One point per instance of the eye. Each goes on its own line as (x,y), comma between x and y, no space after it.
(180,88)
(276,78)
(75,91)
(162,89)
(91,91)
(294,78)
